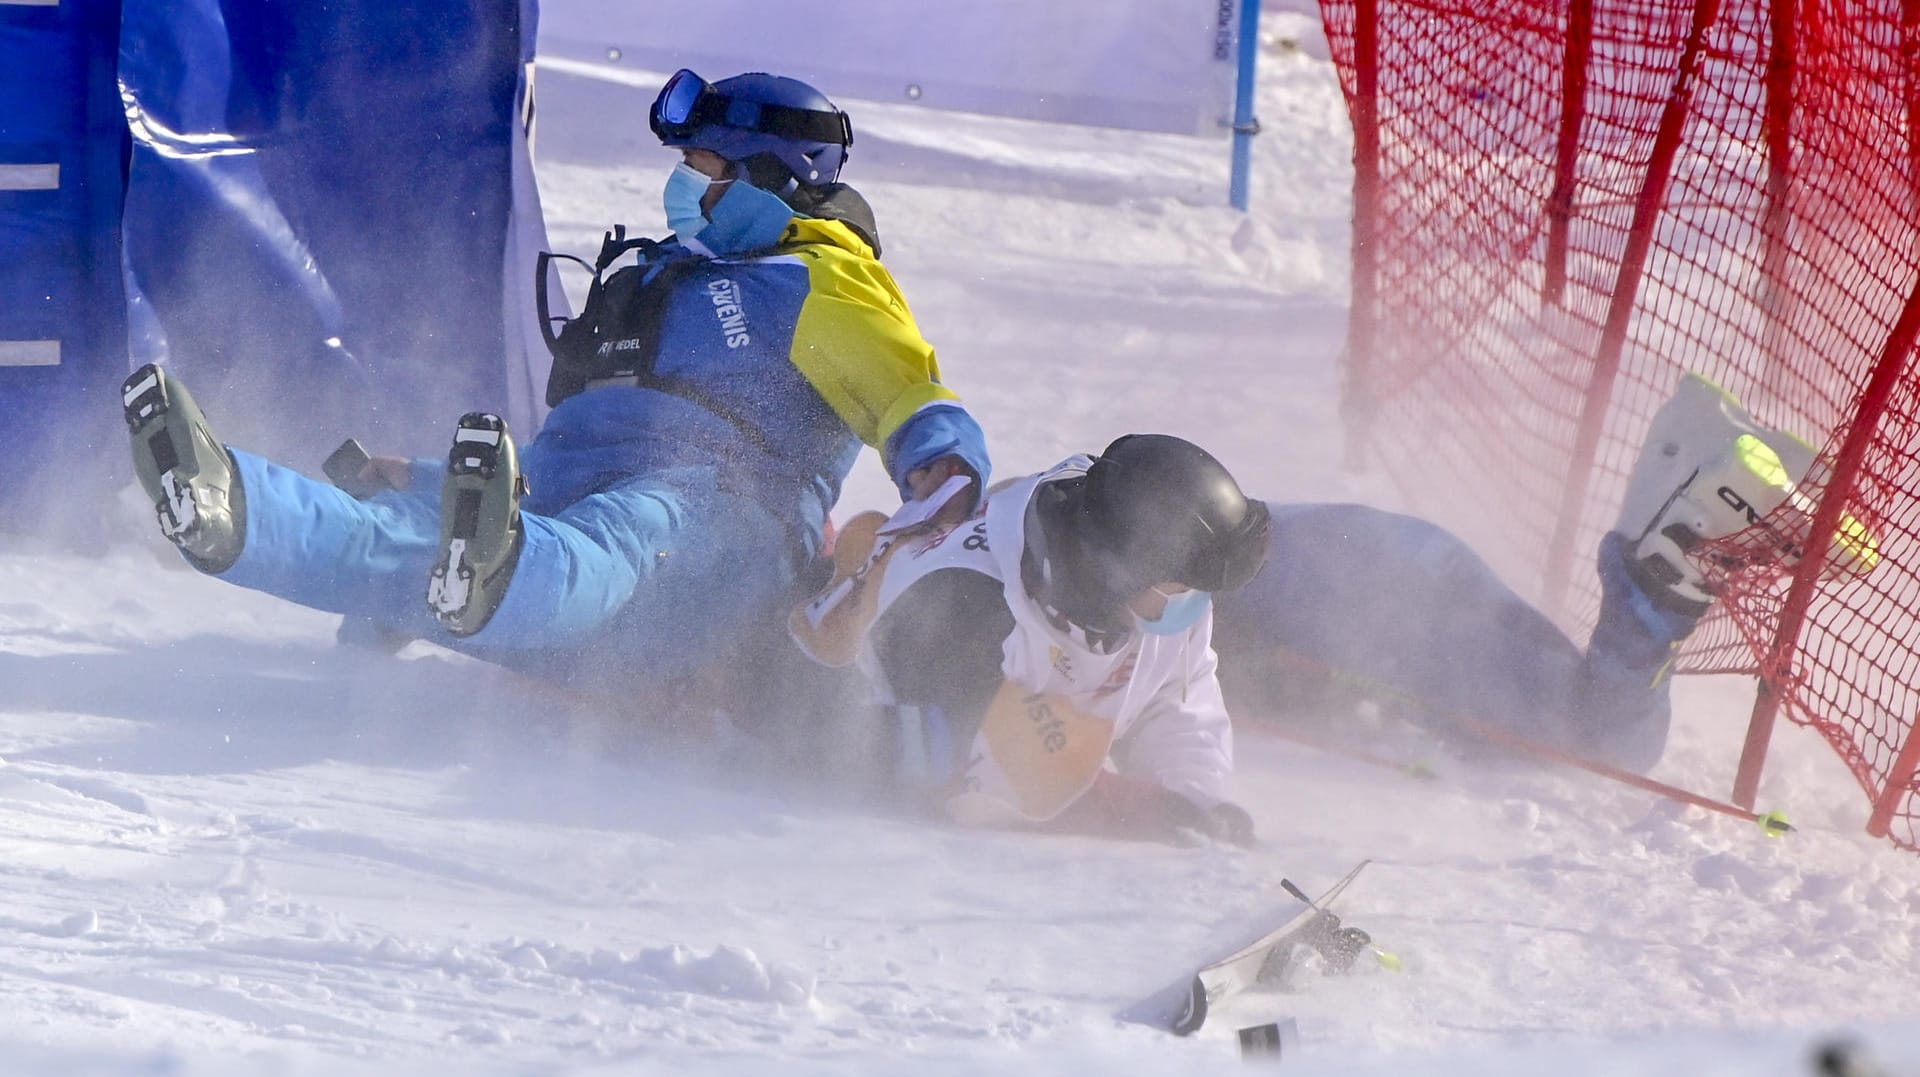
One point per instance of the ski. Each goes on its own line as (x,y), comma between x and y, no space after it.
(1182,1007)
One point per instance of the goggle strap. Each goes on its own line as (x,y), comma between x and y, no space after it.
(805,123)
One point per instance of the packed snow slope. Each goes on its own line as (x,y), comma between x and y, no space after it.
(229,846)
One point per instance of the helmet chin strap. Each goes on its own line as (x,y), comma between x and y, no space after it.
(1047,576)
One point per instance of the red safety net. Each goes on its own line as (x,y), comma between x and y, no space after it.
(1559,208)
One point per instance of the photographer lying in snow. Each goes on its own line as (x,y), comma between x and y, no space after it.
(707,406)
(1051,660)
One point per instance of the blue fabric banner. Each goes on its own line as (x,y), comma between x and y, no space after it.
(62,322)
(320,214)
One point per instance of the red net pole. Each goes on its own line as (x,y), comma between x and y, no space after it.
(1778,119)
(1566,153)
(1899,785)
(1626,291)
(1910,68)
(1776,667)
(1357,408)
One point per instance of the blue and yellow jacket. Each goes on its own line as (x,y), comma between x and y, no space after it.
(774,367)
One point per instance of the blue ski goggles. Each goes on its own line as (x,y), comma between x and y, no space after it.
(688,102)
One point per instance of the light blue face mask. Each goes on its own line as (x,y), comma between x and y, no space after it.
(686,186)
(746,219)
(1181,612)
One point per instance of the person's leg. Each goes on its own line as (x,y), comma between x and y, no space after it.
(1393,608)
(669,570)
(1620,709)
(311,543)
(663,572)
(259,525)
(1398,605)
(1712,492)
(666,572)
(650,581)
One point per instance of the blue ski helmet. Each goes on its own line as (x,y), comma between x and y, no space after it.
(756,119)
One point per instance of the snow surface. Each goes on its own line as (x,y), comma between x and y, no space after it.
(229,846)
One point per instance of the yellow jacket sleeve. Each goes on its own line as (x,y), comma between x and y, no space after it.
(857,342)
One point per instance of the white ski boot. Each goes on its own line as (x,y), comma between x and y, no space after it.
(1707,470)
(479,525)
(187,474)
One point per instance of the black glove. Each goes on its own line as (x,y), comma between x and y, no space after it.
(1230,822)
(1134,808)
(1225,821)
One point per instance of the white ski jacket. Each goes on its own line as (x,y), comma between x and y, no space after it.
(1151,709)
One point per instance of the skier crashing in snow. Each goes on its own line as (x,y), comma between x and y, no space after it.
(1051,661)
(1047,661)
(707,406)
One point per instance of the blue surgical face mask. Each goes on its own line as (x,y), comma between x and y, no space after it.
(1181,612)
(686,186)
(746,218)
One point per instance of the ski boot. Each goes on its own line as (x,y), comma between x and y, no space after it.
(480,534)
(1708,471)
(185,471)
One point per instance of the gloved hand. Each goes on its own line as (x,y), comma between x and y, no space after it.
(1129,807)
(1225,821)
(1229,822)
(924,482)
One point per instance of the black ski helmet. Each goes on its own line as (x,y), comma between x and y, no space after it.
(1159,508)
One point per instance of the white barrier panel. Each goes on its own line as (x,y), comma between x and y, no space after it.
(1152,65)
(29,177)
(29,353)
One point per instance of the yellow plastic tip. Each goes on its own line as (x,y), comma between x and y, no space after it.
(1775,824)
(1858,547)
(1759,458)
(1388,961)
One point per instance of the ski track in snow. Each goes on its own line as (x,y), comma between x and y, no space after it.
(229,846)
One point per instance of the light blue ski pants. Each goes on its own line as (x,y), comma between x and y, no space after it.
(664,572)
